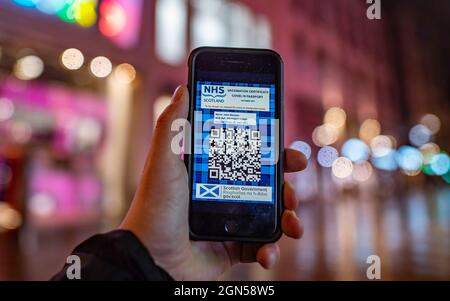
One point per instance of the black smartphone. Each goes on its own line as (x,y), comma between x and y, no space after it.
(235,158)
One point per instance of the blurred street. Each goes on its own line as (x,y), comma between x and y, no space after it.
(410,233)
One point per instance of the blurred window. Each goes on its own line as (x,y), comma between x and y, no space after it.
(240,21)
(208,23)
(213,23)
(228,24)
(171,21)
(264,33)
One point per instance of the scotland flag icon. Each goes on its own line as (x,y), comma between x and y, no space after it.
(208,191)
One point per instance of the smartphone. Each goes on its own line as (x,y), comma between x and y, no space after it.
(235,156)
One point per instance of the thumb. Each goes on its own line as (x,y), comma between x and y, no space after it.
(164,178)
(161,148)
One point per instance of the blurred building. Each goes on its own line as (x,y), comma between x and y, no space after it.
(82,83)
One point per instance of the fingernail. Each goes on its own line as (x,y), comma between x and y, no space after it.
(177,94)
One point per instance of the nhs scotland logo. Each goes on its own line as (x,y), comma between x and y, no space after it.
(208,191)
(213,91)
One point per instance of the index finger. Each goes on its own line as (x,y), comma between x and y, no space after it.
(294,160)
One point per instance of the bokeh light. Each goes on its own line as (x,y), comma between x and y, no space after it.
(42,205)
(72,59)
(426,169)
(81,12)
(302,147)
(410,160)
(50,7)
(88,132)
(113,20)
(29,67)
(335,117)
(125,73)
(419,135)
(440,164)
(393,141)
(432,122)
(446,177)
(381,146)
(21,132)
(26,3)
(101,67)
(355,150)
(362,171)
(67,13)
(324,135)
(6,109)
(369,129)
(10,218)
(327,155)
(85,13)
(342,168)
(428,150)
(387,162)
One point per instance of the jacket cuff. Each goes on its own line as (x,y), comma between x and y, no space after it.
(116,255)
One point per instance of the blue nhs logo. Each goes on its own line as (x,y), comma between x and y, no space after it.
(213,91)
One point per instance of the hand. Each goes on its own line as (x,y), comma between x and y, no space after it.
(159,212)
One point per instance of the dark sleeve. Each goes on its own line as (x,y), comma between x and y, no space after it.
(117,255)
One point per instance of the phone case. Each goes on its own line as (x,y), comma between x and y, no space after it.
(277,234)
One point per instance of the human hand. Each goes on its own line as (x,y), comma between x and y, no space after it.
(159,212)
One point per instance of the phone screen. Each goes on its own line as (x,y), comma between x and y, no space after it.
(234,167)
(233,142)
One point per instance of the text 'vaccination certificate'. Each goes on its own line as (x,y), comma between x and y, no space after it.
(236,98)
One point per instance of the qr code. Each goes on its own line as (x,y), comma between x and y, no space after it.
(235,154)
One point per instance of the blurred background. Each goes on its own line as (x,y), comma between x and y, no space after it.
(368,101)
